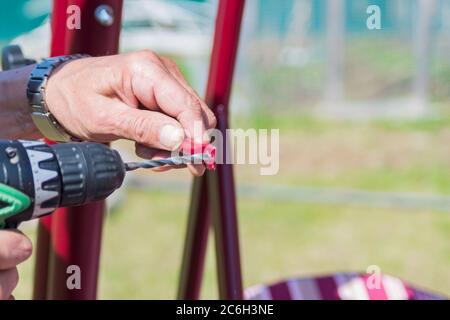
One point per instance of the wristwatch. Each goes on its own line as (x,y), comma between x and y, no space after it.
(41,115)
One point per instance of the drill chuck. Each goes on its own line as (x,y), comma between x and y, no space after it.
(58,175)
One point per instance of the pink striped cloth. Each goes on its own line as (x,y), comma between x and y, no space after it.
(341,286)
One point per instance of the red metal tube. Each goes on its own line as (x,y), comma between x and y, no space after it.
(222,199)
(76,240)
(195,242)
(45,224)
(76,232)
(220,193)
(42,255)
(223,57)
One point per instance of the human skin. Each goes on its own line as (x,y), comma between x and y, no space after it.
(137,96)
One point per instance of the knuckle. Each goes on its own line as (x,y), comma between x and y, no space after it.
(142,129)
(197,114)
(146,54)
(195,105)
(120,125)
(136,60)
(211,119)
(170,63)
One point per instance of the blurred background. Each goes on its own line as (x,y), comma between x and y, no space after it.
(364,119)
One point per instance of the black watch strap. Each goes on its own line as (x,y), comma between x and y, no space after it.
(42,117)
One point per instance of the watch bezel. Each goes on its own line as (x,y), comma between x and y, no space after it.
(43,119)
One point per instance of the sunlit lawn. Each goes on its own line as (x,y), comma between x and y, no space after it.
(143,240)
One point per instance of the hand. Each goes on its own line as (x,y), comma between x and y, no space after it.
(137,96)
(14,249)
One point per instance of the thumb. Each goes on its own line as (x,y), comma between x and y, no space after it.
(151,128)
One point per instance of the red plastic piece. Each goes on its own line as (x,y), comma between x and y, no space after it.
(189,147)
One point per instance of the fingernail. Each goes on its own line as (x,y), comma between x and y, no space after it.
(171,136)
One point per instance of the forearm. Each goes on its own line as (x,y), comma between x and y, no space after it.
(15,118)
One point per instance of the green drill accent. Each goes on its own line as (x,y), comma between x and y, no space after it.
(16,200)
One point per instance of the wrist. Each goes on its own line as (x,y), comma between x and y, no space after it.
(41,115)
(15,115)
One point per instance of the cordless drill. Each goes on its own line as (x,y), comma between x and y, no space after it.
(37,178)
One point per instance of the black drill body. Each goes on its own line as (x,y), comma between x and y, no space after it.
(60,175)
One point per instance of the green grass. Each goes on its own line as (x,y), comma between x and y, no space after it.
(293,122)
(306,122)
(425,179)
(431,124)
(390,58)
(143,240)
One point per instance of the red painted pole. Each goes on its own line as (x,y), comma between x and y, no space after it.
(220,192)
(45,224)
(221,182)
(195,242)
(42,255)
(76,232)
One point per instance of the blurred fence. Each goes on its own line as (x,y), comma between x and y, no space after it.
(295,54)
(319,53)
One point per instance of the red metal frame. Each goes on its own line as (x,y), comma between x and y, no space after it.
(75,235)
(42,254)
(214,193)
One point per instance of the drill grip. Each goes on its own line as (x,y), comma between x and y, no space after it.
(89,172)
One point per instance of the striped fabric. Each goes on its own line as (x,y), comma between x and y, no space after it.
(341,286)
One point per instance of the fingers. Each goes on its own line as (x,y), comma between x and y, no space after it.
(150,128)
(8,282)
(208,115)
(15,248)
(154,154)
(152,83)
(196,169)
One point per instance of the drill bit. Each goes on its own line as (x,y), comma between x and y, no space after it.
(173,161)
